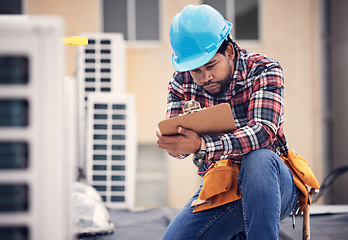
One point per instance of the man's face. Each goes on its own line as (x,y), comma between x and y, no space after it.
(215,75)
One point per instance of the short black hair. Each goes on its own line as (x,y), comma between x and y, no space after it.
(224,45)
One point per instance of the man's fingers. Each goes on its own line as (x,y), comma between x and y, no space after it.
(158,133)
(187,141)
(165,141)
(185,132)
(181,130)
(167,145)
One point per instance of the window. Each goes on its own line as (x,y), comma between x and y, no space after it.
(244,14)
(138,20)
(152,180)
(11,7)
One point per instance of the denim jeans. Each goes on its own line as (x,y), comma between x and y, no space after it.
(268,196)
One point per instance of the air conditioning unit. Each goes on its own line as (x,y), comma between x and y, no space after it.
(34,168)
(112,148)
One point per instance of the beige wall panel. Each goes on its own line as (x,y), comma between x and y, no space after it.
(148,73)
(79,16)
(183,181)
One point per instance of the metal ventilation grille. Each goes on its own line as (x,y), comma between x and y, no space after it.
(15,196)
(111,148)
(98,66)
(102,64)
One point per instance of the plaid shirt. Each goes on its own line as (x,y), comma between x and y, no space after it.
(256,98)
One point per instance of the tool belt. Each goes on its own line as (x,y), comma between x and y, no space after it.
(302,175)
(220,185)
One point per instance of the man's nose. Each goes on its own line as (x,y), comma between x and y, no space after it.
(207,77)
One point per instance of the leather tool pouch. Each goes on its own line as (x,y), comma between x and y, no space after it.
(220,186)
(217,180)
(302,175)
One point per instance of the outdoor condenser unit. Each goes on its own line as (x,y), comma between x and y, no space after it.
(112,147)
(34,169)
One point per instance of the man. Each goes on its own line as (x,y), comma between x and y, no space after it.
(213,69)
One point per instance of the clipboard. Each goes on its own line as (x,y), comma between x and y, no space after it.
(208,121)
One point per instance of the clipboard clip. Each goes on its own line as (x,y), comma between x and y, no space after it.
(191,106)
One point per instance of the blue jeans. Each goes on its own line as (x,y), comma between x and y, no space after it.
(268,196)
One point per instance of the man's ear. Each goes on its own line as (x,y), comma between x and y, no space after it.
(230,53)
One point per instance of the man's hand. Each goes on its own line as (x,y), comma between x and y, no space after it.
(186,142)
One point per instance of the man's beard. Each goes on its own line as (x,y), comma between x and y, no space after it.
(223,83)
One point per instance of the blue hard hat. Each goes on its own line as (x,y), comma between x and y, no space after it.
(196,33)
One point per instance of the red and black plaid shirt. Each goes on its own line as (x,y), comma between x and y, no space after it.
(256,98)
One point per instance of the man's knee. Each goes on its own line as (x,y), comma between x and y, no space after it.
(255,164)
